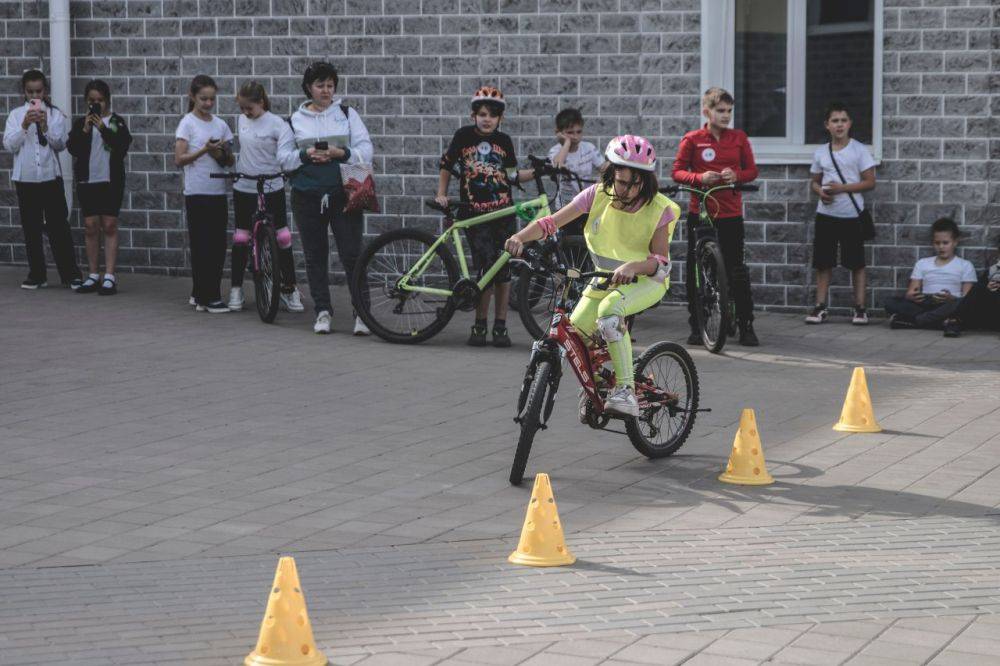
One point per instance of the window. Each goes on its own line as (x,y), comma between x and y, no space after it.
(784,60)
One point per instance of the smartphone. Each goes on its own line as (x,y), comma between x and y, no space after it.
(95,109)
(35,104)
(321,145)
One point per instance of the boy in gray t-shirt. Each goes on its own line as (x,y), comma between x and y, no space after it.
(581,157)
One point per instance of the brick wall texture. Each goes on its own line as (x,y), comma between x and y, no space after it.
(409,67)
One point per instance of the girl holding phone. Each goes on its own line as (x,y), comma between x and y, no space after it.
(98,143)
(35,133)
(327,134)
(204,147)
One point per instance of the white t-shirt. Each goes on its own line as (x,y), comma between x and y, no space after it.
(100,159)
(584,161)
(259,141)
(197,133)
(852,160)
(950,276)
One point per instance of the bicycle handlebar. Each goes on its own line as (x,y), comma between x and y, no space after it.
(738,187)
(534,263)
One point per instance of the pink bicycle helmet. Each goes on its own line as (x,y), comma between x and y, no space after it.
(631,151)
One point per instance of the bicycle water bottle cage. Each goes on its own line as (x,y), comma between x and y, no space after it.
(524,212)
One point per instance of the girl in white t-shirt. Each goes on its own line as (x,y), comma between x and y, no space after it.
(204,147)
(837,223)
(261,134)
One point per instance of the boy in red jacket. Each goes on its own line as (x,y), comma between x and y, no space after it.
(707,157)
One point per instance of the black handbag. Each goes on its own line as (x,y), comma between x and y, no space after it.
(864,215)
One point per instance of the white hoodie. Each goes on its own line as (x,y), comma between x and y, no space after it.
(334,127)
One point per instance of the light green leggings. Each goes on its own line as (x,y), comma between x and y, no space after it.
(597,309)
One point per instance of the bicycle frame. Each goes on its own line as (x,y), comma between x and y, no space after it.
(540,206)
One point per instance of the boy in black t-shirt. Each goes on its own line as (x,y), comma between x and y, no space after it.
(483,159)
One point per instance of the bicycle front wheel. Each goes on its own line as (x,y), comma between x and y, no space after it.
(712,297)
(537,294)
(395,314)
(266,280)
(667,387)
(531,420)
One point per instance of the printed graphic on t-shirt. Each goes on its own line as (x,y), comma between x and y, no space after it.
(708,154)
(485,181)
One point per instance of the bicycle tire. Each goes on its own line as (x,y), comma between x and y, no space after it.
(267,270)
(540,292)
(531,420)
(689,402)
(712,297)
(374,281)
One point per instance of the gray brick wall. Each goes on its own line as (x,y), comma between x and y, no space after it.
(632,65)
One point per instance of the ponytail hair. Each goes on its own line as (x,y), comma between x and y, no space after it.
(197,83)
(253,91)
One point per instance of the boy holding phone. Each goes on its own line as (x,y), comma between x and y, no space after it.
(936,284)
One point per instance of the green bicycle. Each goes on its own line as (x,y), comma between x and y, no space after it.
(408,283)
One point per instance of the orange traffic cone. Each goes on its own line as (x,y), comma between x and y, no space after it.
(746,462)
(542,543)
(286,637)
(857,415)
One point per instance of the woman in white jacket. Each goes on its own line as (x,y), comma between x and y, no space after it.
(36,133)
(327,134)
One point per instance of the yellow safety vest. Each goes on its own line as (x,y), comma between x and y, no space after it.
(615,236)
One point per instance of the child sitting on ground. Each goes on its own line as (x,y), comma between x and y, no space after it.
(980,308)
(936,284)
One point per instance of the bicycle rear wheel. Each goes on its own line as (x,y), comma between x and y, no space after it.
(531,420)
(266,280)
(394,314)
(537,294)
(712,297)
(664,371)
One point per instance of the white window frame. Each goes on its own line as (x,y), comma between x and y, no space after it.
(718,48)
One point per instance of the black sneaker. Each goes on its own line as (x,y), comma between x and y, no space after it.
(74,284)
(952,328)
(747,336)
(818,314)
(896,323)
(500,337)
(695,339)
(34,284)
(478,337)
(89,286)
(217,307)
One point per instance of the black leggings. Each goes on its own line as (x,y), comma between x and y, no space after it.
(244,207)
(729,231)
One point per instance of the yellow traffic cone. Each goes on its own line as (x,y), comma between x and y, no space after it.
(286,637)
(746,462)
(857,415)
(542,543)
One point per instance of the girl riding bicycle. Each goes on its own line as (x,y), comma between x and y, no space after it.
(628,229)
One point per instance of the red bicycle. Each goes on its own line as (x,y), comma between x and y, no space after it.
(666,382)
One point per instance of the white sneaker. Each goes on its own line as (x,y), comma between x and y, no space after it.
(193,303)
(236,299)
(322,324)
(360,328)
(818,315)
(292,301)
(622,401)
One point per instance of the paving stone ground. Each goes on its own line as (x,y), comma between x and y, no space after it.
(154,461)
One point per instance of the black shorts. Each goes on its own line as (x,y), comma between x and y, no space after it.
(486,243)
(245,205)
(832,232)
(100,199)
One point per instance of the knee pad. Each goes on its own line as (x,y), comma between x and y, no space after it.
(284,235)
(241,237)
(612,328)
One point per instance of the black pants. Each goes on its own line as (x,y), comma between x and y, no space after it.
(207,219)
(46,201)
(244,207)
(729,231)
(980,308)
(928,314)
(313,217)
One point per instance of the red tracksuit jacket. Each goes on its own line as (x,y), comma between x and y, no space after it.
(700,152)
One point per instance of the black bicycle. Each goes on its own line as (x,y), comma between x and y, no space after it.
(714,310)
(263,249)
